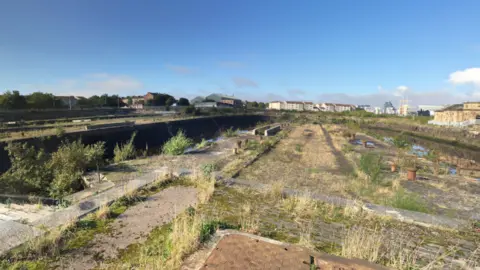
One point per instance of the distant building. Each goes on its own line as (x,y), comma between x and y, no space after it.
(148,96)
(137,102)
(68,101)
(291,105)
(212,104)
(336,107)
(388,108)
(464,114)
(235,102)
(364,107)
(431,108)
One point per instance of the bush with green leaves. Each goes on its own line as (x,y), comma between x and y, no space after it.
(69,163)
(177,144)
(400,141)
(27,173)
(370,164)
(125,151)
(33,171)
(208,168)
(230,132)
(408,201)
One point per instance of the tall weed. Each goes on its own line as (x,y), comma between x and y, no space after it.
(370,164)
(125,151)
(177,144)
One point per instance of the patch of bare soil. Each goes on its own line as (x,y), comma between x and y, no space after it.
(133,226)
(243,252)
(307,159)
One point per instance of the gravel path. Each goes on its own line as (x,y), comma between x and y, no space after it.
(133,226)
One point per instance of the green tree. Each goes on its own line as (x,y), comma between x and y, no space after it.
(27,173)
(69,163)
(39,100)
(11,100)
(170,101)
(130,101)
(183,102)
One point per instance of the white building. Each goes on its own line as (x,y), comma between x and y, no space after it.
(336,107)
(291,105)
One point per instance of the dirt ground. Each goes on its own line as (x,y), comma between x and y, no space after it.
(311,159)
(308,159)
(133,226)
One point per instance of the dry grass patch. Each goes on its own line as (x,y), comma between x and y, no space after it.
(300,206)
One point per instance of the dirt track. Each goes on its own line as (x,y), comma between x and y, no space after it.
(133,226)
(307,159)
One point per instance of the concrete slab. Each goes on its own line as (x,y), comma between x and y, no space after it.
(13,234)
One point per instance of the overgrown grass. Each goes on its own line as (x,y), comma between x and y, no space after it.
(408,201)
(230,133)
(300,206)
(204,143)
(125,151)
(177,144)
(370,164)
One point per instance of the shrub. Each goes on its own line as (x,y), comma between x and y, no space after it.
(125,151)
(192,110)
(69,163)
(407,201)
(177,144)
(27,173)
(298,148)
(202,144)
(59,131)
(370,164)
(230,133)
(400,141)
(208,168)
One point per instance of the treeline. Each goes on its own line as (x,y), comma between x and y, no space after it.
(256,105)
(13,100)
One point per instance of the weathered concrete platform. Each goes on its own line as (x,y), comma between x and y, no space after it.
(230,249)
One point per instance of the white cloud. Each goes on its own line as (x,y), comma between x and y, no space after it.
(401,91)
(466,76)
(244,82)
(89,85)
(180,69)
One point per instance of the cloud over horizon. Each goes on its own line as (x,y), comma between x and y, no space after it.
(180,69)
(466,76)
(244,82)
(89,85)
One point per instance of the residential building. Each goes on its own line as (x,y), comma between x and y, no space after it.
(68,101)
(148,96)
(212,104)
(137,102)
(464,114)
(336,107)
(364,107)
(308,106)
(291,105)
(235,102)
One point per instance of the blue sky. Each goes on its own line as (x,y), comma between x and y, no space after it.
(350,51)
